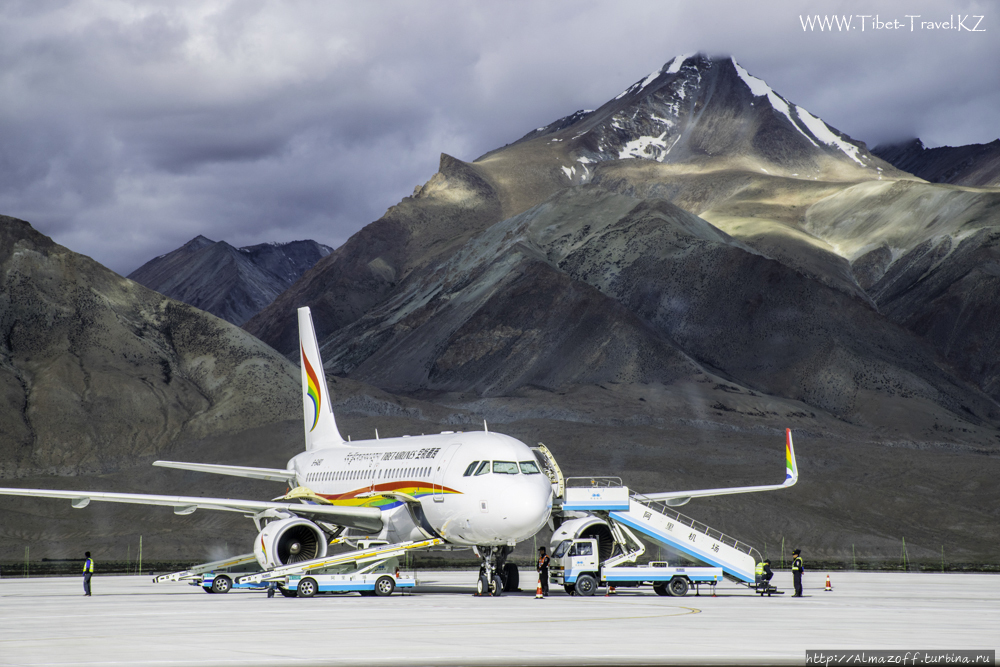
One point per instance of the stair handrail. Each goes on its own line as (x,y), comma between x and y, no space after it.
(664,509)
(600,481)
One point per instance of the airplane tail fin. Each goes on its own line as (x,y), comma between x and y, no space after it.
(320,424)
(791,467)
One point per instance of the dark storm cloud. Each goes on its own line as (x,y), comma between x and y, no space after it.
(127,128)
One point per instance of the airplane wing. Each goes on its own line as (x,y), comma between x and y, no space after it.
(271,474)
(678,498)
(368,519)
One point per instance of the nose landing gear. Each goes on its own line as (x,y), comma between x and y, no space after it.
(496,575)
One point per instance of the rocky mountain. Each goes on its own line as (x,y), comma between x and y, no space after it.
(98,372)
(655,289)
(231,283)
(976,165)
(702,242)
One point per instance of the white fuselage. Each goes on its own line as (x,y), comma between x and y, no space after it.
(508,501)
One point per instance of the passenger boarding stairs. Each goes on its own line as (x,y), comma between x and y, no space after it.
(663,524)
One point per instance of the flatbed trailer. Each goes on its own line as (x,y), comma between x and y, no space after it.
(381,579)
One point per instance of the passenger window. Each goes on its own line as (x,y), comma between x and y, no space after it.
(529,468)
(484,468)
(582,549)
(505,467)
(471,469)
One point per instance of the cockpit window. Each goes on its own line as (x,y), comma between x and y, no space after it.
(484,468)
(529,468)
(471,469)
(505,467)
(561,549)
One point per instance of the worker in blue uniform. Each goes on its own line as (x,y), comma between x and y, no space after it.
(797,573)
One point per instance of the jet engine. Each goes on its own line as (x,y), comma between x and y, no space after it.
(289,541)
(585,526)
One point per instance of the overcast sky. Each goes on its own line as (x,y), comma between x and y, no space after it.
(128,128)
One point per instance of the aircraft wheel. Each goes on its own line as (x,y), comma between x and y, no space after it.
(287,593)
(384,586)
(570,589)
(496,586)
(586,585)
(483,585)
(308,587)
(678,587)
(222,584)
(661,589)
(511,578)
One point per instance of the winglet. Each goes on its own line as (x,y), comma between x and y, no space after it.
(791,467)
(320,424)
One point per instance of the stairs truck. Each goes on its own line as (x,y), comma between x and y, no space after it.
(599,540)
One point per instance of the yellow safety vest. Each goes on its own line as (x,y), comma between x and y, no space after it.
(760,569)
(89,566)
(797,564)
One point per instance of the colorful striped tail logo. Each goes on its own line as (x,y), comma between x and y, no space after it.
(313,387)
(789,468)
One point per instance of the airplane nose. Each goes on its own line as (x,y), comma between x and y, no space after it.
(528,508)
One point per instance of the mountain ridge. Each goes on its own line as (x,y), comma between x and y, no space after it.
(231,283)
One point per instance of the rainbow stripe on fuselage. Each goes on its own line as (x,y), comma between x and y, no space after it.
(313,383)
(416,489)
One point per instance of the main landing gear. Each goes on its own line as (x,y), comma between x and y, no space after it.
(496,575)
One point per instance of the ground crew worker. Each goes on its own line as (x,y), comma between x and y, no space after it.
(797,573)
(88,572)
(543,570)
(764,573)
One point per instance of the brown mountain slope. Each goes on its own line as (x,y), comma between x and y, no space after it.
(96,370)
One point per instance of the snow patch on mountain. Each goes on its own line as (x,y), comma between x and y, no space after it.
(646,147)
(677,62)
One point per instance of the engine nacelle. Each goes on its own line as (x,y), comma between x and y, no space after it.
(587,526)
(289,541)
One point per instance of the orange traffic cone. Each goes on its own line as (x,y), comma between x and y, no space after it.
(828,586)
(538,589)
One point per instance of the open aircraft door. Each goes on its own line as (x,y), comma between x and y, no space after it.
(440,470)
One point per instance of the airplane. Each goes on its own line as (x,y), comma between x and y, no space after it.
(476,489)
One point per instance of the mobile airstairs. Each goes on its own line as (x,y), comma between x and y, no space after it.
(608,498)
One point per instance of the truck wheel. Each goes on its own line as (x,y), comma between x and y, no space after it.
(222,584)
(384,586)
(308,587)
(661,589)
(570,589)
(678,587)
(287,593)
(586,585)
(511,578)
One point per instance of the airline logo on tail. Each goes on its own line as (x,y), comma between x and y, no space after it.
(789,458)
(313,390)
